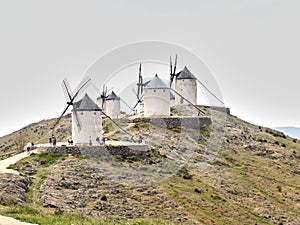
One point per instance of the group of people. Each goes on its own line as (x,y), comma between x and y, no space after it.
(30,147)
(102,141)
(52,140)
(138,139)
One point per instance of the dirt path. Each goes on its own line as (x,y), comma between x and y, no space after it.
(3,169)
(10,221)
(9,161)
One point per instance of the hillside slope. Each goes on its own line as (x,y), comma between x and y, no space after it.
(39,132)
(255,179)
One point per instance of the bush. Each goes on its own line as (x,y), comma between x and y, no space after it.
(279,188)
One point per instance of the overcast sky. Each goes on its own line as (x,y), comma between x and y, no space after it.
(251,46)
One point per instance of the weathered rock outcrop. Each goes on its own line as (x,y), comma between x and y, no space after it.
(13,189)
(77,187)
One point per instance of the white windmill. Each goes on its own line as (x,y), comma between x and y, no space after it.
(186,85)
(86,115)
(156,98)
(112,103)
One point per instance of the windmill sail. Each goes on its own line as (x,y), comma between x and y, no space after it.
(172,70)
(200,111)
(71,96)
(140,89)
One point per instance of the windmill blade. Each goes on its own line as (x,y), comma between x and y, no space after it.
(175,65)
(105,92)
(61,115)
(109,90)
(82,86)
(172,70)
(107,116)
(135,106)
(171,66)
(126,104)
(142,86)
(134,91)
(67,89)
(188,101)
(138,101)
(210,92)
(77,120)
(140,83)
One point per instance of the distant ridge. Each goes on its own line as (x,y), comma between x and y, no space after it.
(290,131)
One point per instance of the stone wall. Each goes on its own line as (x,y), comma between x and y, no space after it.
(91,151)
(176,122)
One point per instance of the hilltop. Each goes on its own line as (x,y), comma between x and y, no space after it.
(254,179)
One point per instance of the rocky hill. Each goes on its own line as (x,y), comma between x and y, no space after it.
(254,178)
(37,133)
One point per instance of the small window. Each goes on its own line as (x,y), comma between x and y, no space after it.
(154,90)
(95,113)
(81,113)
(164,90)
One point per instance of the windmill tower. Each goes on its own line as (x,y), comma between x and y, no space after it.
(157,98)
(112,103)
(88,113)
(186,86)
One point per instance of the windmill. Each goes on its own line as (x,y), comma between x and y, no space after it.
(103,96)
(172,70)
(140,89)
(71,96)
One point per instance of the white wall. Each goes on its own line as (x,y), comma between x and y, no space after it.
(187,88)
(91,127)
(113,108)
(157,102)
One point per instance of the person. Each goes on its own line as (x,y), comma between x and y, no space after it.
(53,140)
(98,140)
(70,141)
(28,150)
(140,139)
(90,141)
(32,146)
(50,140)
(103,140)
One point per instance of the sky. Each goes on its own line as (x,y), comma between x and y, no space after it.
(252,48)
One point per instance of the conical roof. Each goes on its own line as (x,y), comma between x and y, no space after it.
(86,104)
(112,96)
(185,74)
(156,83)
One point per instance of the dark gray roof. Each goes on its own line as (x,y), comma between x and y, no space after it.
(113,96)
(86,104)
(146,83)
(185,74)
(156,83)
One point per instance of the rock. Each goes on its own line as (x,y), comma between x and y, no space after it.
(13,189)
